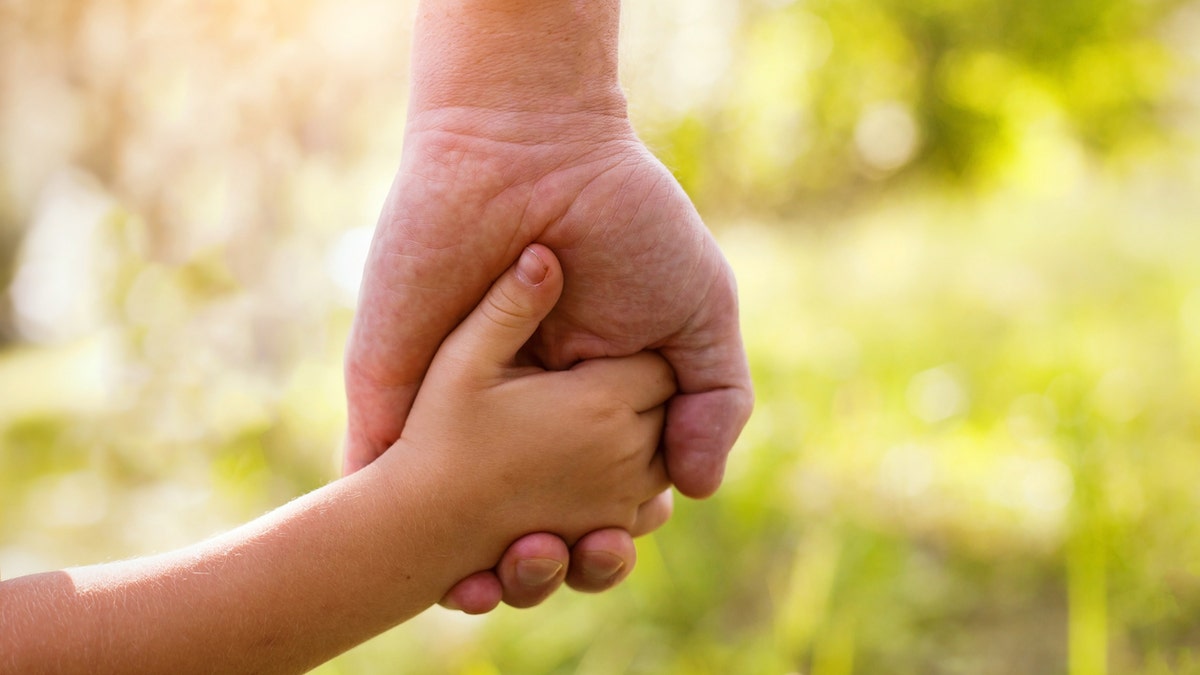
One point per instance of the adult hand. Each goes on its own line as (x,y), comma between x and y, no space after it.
(507,148)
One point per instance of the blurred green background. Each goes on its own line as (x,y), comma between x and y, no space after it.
(967,236)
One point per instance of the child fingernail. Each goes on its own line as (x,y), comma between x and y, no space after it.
(537,571)
(531,269)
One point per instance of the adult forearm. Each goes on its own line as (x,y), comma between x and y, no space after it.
(281,594)
(556,56)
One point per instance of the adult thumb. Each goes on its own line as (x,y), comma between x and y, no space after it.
(510,313)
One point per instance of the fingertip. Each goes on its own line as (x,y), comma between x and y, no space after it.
(696,475)
(532,569)
(601,560)
(531,268)
(350,465)
(695,464)
(479,593)
(510,312)
(537,265)
(654,513)
(357,453)
(701,430)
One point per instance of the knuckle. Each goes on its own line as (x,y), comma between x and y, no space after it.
(503,309)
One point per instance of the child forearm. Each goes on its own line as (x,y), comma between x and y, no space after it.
(492,449)
(280,594)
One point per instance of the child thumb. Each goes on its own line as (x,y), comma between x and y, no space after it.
(512,309)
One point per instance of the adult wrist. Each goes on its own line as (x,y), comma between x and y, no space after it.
(517,56)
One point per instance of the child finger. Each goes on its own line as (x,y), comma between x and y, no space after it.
(509,314)
(643,381)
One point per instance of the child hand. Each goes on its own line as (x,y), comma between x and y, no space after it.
(522,449)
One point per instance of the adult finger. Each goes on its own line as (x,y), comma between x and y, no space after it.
(510,313)
(653,514)
(533,568)
(701,429)
(479,593)
(601,560)
(716,395)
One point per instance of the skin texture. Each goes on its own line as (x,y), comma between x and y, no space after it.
(493,448)
(518,133)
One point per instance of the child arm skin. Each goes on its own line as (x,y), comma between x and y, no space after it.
(491,450)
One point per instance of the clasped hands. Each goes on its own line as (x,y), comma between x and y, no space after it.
(641,272)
